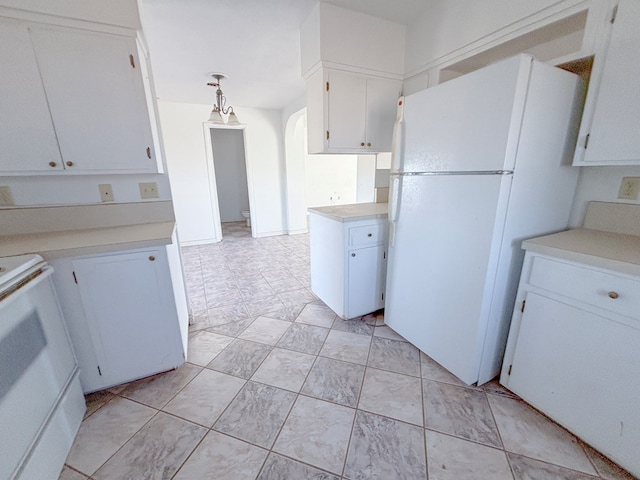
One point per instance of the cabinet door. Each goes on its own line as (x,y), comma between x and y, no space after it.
(27,138)
(613,136)
(128,304)
(346,115)
(96,96)
(382,99)
(367,271)
(581,369)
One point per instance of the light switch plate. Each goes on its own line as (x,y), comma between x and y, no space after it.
(629,188)
(6,197)
(106,192)
(148,190)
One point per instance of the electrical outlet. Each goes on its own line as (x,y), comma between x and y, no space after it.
(148,190)
(106,192)
(6,198)
(629,188)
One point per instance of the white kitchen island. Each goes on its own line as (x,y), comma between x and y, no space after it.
(349,257)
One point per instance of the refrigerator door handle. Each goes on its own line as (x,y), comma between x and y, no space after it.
(394,207)
(397,139)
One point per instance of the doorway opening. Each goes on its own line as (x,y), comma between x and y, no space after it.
(229,182)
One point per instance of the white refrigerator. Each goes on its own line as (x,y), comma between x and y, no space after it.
(479,163)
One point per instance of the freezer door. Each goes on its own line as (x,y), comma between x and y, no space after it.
(442,263)
(470,123)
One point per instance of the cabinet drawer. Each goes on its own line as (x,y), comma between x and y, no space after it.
(367,235)
(605,290)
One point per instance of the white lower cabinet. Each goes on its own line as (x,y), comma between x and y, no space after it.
(349,263)
(573,352)
(121,314)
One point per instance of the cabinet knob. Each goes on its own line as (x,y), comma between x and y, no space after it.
(52,164)
(353,254)
(613,295)
(368,144)
(152,258)
(369,234)
(362,144)
(69,164)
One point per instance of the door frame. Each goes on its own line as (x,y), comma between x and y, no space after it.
(211,174)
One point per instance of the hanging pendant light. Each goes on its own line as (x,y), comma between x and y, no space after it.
(219,107)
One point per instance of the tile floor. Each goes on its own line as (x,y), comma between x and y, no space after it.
(277,387)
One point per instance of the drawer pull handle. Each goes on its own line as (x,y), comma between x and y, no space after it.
(369,234)
(152,258)
(353,254)
(52,164)
(613,295)
(69,164)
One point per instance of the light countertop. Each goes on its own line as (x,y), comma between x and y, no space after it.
(615,251)
(353,212)
(66,231)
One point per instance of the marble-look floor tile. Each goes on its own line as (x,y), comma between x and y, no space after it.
(204,346)
(317,433)
(265,330)
(278,467)
(225,457)
(284,369)
(198,320)
(288,314)
(386,449)
(395,356)
(527,432)
(605,467)
(318,315)
(104,432)
(205,398)
(264,306)
(155,452)
(286,285)
(335,381)
(233,328)
(227,314)
(385,332)
(451,458)
(459,411)
(227,297)
(256,291)
(350,347)
(304,338)
(354,325)
(296,297)
(69,474)
(157,390)
(432,370)
(528,469)
(241,358)
(257,414)
(393,395)
(493,387)
(276,275)
(96,400)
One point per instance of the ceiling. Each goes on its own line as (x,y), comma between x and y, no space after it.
(255,42)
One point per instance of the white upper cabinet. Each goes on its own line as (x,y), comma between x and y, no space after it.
(350,113)
(27,138)
(96,96)
(72,101)
(609,130)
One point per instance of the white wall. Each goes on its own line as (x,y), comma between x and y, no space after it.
(187,164)
(450,25)
(231,173)
(331,180)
